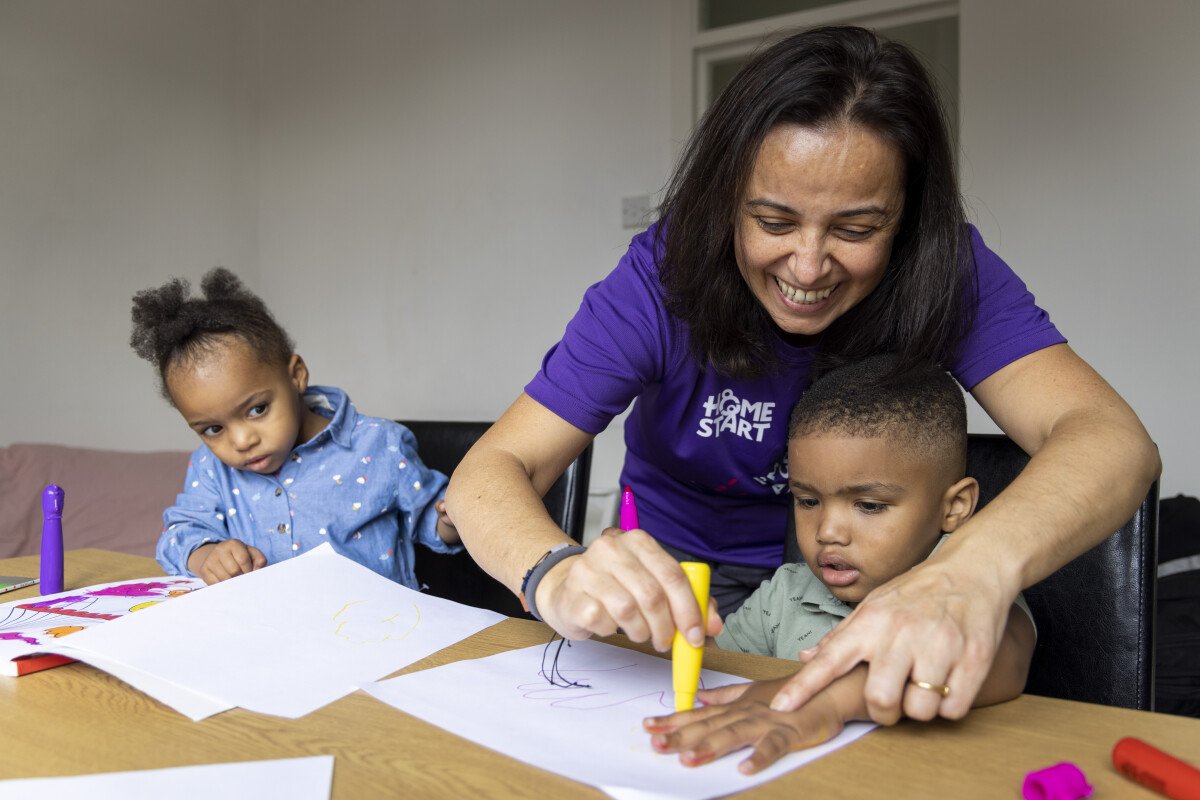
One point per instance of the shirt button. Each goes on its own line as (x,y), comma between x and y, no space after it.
(283,528)
(278,491)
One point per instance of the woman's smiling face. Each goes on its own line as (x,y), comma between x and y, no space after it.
(815,226)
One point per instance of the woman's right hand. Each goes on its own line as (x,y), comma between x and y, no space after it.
(624,580)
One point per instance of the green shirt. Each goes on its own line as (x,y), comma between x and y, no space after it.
(790,612)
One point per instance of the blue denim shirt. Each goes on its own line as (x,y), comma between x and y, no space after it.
(358,484)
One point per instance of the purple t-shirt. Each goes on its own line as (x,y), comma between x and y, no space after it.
(706,454)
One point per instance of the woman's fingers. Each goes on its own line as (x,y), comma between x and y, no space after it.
(838,655)
(967,675)
(920,633)
(624,580)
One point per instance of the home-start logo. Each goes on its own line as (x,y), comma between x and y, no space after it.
(726,414)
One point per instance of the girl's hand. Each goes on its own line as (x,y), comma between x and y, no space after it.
(740,716)
(934,623)
(445,527)
(224,560)
(624,580)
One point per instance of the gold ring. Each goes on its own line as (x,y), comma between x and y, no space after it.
(940,688)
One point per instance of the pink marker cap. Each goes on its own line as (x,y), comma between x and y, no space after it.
(629,514)
(1063,781)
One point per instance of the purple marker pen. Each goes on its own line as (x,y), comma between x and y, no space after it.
(52,540)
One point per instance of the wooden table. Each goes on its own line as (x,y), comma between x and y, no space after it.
(75,720)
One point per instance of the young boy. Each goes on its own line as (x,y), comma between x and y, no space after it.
(877,469)
(283,466)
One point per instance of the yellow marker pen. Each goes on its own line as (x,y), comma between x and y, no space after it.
(686,659)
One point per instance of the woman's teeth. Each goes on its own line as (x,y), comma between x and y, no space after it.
(801,296)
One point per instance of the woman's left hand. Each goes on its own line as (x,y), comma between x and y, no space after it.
(936,623)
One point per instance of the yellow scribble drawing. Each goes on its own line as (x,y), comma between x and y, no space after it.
(348,622)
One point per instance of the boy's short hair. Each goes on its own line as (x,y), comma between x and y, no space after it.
(169,326)
(921,407)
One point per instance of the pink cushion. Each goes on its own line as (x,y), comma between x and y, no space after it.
(113,500)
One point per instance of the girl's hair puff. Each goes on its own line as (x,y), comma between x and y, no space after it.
(170,327)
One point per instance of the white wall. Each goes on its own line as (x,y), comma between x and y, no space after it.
(1080,129)
(441,182)
(421,191)
(126,155)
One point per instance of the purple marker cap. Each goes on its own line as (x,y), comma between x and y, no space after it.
(1063,781)
(51,578)
(52,502)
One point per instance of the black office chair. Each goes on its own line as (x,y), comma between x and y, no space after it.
(441,446)
(1095,616)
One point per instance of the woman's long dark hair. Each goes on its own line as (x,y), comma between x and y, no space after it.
(827,76)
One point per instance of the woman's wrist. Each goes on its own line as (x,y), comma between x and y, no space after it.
(971,555)
(541,568)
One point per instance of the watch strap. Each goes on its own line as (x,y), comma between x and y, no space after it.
(533,577)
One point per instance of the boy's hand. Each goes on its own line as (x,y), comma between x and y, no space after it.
(223,560)
(741,716)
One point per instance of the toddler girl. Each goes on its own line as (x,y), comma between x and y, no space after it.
(282,466)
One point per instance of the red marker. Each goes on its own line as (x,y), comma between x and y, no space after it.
(1156,770)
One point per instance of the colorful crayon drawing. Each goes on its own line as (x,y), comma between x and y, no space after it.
(26,625)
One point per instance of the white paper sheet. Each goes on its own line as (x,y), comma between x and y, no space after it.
(191,704)
(282,640)
(309,778)
(593,735)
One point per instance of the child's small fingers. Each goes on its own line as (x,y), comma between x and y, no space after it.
(229,560)
(682,719)
(730,735)
(257,559)
(713,624)
(774,745)
(713,729)
(723,694)
(241,559)
(673,722)
(214,570)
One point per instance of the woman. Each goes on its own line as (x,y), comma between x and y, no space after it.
(814,217)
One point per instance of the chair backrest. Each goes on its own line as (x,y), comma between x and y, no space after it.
(441,446)
(1095,616)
